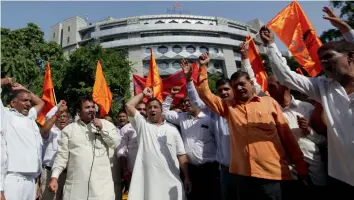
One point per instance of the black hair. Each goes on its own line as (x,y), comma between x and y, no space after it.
(122,111)
(154,99)
(222,81)
(339,46)
(81,100)
(15,93)
(240,74)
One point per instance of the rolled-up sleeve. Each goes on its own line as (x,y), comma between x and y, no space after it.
(349,36)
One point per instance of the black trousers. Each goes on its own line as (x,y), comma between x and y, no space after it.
(259,189)
(205,181)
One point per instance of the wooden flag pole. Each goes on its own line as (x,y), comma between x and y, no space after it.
(55,98)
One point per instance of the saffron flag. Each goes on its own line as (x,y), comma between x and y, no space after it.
(257,64)
(294,29)
(102,95)
(47,96)
(153,79)
(176,79)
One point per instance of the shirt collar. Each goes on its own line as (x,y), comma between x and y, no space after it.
(16,112)
(293,103)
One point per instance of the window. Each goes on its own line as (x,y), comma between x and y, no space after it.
(162,49)
(176,65)
(211,24)
(203,49)
(190,49)
(198,22)
(217,65)
(146,23)
(53,35)
(147,50)
(147,65)
(237,53)
(68,28)
(177,49)
(68,40)
(216,50)
(186,22)
(173,22)
(159,22)
(163,65)
(238,64)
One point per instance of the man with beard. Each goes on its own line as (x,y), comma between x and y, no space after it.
(84,149)
(56,120)
(23,142)
(260,138)
(335,92)
(161,153)
(197,134)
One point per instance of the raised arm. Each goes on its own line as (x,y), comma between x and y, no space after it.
(214,102)
(37,102)
(52,117)
(247,67)
(341,25)
(170,115)
(133,102)
(282,71)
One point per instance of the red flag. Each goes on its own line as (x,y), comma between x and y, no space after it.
(48,95)
(176,79)
(257,64)
(296,31)
(101,94)
(299,71)
(153,79)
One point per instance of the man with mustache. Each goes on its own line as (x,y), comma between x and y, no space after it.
(56,120)
(335,92)
(23,142)
(160,156)
(85,149)
(260,138)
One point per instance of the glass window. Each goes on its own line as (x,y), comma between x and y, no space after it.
(176,65)
(216,50)
(162,49)
(163,65)
(177,49)
(190,49)
(203,49)
(173,22)
(147,50)
(237,53)
(68,28)
(159,22)
(186,22)
(53,35)
(68,40)
(198,22)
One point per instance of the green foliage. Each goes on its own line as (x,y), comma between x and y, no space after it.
(81,69)
(21,49)
(347,13)
(212,78)
(291,61)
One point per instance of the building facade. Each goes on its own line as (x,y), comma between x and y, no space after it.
(171,37)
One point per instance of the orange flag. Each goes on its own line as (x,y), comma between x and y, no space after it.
(153,79)
(102,95)
(257,64)
(295,30)
(48,95)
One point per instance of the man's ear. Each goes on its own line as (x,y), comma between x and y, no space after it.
(252,83)
(351,56)
(12,103)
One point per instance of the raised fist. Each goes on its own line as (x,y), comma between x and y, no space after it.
(148,92)
(266,35)
(204,59)
(175,90)
(187,69)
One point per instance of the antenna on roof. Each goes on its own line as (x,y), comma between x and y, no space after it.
(86,18)
(177,9)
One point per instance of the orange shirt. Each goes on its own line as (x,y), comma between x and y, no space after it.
(260,137)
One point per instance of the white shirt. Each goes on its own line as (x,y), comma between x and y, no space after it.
(156,173)
(23,141)
(129,145)
(338,106)
(3,157)
(196,133)
(308,143)
(50,144)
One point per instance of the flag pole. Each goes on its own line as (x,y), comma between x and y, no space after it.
(55,98)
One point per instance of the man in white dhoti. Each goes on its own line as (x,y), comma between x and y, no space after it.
(23,142)
(156,174)
(83,150)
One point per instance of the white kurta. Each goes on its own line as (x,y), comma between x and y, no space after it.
(156,170)
(76,151)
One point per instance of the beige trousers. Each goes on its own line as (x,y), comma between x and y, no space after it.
(45,180)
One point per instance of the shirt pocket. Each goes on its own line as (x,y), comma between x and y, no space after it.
(205,134)
(261,123)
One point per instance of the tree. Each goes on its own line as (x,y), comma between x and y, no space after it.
(212,78)
(347,13)
(21,51)
(80,72)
